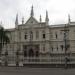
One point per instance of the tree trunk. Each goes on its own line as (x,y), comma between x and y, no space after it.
(0,48)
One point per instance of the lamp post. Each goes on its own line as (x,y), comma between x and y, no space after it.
(66,30)
(6,56)
(17,56)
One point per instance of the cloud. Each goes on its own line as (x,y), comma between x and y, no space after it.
(58,10)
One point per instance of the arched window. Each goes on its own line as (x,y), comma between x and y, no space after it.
(43,34)
(25,36)
(61,47)
(31,35)
(56,35)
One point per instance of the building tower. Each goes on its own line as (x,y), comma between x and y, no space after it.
(16,21)
(40,19)
(47,19)
(22,20)
(69,20)
(32,11)
(1,25)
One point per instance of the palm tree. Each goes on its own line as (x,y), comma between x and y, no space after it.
(4,39)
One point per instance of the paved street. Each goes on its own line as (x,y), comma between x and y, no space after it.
(35,71)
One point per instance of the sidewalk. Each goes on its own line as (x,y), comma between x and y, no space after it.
(35,71)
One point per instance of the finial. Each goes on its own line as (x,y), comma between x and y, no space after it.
(40,18)
(22,20)
(69,20)
(32,11)
(46,19)
(0,24)
(16,21)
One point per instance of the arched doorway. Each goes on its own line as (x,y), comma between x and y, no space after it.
(37,53)
(31,52)
(25,53)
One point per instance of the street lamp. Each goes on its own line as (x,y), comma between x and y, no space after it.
(66,30)
(6,61)
(17,56)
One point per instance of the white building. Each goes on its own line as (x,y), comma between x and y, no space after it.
(39,42)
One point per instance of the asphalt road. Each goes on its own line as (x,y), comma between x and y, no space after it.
(35,71)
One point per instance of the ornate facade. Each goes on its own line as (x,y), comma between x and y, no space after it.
(38,42)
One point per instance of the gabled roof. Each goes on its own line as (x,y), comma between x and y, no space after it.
(31,20)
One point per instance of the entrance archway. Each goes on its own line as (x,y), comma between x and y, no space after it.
(37,53)
(25,53)
(31,52)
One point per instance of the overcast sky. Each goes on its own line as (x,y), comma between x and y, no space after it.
(58,10)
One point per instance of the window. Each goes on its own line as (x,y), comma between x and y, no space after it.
(43,36)
(52,49)
(62,47)
(37,34)
(57,48)
(25,36)
(31,35)
(56,35)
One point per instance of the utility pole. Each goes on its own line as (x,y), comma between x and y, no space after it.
(66,30)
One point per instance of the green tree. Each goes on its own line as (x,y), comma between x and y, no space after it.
(4,39)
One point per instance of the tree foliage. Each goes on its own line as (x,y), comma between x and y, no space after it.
(4,39)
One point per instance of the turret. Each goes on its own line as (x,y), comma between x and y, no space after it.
(16,21)
(69,20)
(40,19)
(22,20)
(32,11)
(47,19)
(1,25)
